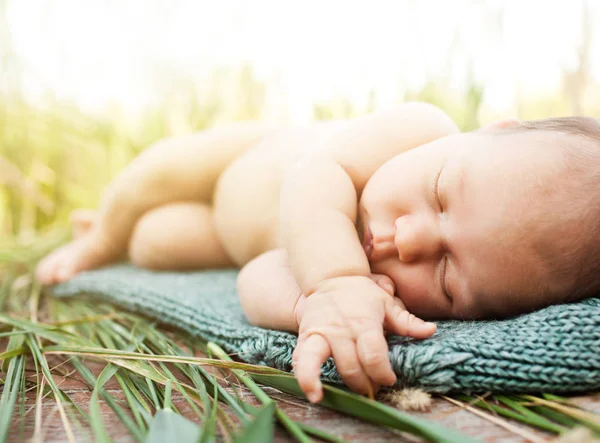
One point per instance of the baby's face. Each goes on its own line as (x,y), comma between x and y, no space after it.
(457,224)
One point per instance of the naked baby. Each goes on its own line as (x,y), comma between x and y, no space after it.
(348,230)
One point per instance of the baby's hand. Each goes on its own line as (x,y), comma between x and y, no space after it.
(345,318)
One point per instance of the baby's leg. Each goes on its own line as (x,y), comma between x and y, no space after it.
(270,296)
(177,236)
(177,169)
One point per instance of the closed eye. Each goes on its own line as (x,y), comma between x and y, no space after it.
(436,192)
(444,266)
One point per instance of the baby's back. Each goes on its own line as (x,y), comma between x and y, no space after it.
(246,200)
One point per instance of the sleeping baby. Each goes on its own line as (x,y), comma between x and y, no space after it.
(348,230)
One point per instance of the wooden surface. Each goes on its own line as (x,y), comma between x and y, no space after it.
(348,428)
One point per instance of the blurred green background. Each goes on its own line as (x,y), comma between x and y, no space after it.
(85,86)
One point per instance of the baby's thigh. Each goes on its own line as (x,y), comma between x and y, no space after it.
(177,236)
(268,291)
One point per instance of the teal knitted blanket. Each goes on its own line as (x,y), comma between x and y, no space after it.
(556,349)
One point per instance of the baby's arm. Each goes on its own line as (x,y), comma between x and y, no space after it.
(345,311)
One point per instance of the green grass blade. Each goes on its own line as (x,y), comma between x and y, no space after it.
(153,393)
(96,420)
(259,430)
(169,426)
(128,380)
(90,379)
(22,409)
(6,356)
(167,398)
(208,433)
(199,377)
(133,403)
(556,416)
(585,418)
(320,434)
(12,382)
(287,422)
(8,334)
(552,397)
(505,412)
(14,347)
(529,416)
(58,394)
(92,350)
(368,410)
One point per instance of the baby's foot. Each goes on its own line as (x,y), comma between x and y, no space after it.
(82,220)
(85,252)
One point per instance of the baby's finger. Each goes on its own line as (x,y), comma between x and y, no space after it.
(373,354)
(385,283)
(348,365)
(401,322)
(309,356)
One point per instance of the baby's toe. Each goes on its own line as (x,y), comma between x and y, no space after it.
(82,221)
(45,271)
(54,268)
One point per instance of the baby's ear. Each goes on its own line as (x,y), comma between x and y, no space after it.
(503,124)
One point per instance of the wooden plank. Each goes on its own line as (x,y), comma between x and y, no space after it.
(345,427)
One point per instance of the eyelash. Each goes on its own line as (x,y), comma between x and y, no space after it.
(441,208)
(443,277)
(436,189)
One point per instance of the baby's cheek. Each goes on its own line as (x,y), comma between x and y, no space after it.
(414,289)
(422,305)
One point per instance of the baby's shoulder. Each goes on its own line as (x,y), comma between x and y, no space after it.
(364,144)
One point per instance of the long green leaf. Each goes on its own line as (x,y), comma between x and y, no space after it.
(368,410)
(168,426)
(59,397)
(585,418)
(92,351)
(259,430)
(16,368)
(286,421)
(556,416)
(90,379)
(96,420)
(529,416)
(134,404)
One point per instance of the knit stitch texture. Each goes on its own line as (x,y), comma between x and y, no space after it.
(556,349)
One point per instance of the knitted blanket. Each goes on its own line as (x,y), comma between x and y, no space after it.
(556,349)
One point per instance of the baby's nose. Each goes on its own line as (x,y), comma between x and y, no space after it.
(379,242)
(416,239)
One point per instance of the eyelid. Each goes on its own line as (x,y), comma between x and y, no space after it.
(444,267)
(436,193)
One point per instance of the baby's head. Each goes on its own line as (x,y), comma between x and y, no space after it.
(490,223)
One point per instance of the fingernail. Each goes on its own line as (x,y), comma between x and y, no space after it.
(315,395)
(388,287)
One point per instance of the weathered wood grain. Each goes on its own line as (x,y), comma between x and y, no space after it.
(346,427)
